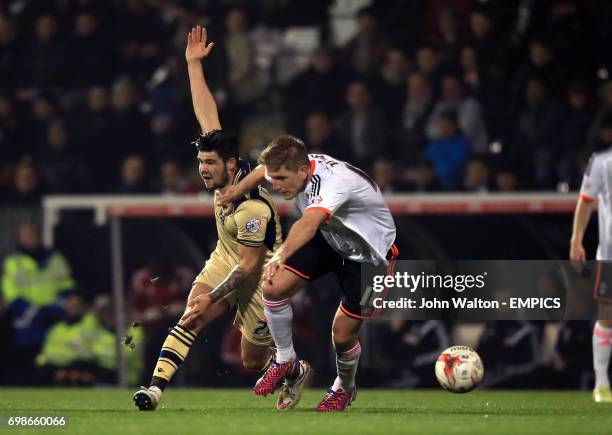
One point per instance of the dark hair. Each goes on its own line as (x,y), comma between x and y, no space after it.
(287,151)
(223,143)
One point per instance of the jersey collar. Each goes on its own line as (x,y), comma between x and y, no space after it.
(313,165)
(243,170)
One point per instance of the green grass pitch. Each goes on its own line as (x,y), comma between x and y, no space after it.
(207,411)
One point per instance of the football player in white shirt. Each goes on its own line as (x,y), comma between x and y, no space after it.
(345,222)
(596,185)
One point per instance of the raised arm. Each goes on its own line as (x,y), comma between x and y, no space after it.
(204,104)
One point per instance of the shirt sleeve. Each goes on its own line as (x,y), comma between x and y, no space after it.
(252,219)
(326,196)
(593,180)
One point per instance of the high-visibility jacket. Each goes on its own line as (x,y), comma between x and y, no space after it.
(67,343)
(39,283)
(88,341)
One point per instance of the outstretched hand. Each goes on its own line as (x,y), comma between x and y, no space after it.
(196,44)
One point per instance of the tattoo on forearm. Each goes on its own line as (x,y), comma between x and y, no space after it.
(233,280)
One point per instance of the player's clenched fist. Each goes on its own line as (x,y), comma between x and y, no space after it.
(196,44)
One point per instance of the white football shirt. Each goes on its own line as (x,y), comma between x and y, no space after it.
(597,183)
(359,225)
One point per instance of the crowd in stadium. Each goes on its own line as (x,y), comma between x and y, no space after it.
(440,95)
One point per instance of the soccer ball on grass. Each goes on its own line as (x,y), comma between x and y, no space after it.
(459,369)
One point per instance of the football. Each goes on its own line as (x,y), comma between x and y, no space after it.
(459,369)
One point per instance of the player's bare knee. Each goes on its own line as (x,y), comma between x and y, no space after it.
(343,339)
(605,323)
(254,360)
(273,292)
(253,363)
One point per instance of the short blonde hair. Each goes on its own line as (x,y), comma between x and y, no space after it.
(287,151)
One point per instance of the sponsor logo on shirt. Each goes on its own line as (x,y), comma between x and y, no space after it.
(315,200)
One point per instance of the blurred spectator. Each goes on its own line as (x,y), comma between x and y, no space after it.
(174,181)
(129,128)
(414,346)
(362,129)
(487,88)
(9,53)
(240,51)
(74,351)
(12,140)
(422,178)
(471,72)
(414,116)
(489,48)
(537,134)
(44,109)
(477,176)
(513,352)
(386,177)
(171,112)
(92,52)
(34,282)
(448,38)
(133,176)
(45,60)
(542,64)
(321,87)
(159,290)
(576,120)
(571,36)
(27,189)
(90,129)
(368,48)
(140,31)
(429,63)
(320,135)
(384,174)
(469,114)
(394,72)
(448,153)
(64,171)
(506,181)
(51,53)
(571,361)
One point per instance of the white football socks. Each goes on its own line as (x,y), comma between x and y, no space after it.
(602,344)
(346,365)
(279,315)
